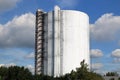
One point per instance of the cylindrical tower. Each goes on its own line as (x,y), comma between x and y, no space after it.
(75,33)
(62,41)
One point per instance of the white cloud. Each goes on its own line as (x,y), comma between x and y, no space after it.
(116,60)
(117,70)
(116,53)
(31,68)
(67,3)
(107,27)
(1,65)
(10,64)
(101,72)
(96,66)
(6,5)
(19,32)
(7,65)
(30,56)
(96,53)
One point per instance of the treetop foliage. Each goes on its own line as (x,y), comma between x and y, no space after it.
(21,73)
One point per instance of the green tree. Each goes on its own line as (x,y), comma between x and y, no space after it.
(119,78)
(82,73)
(15,73)
(1,78)
(42,77)
(21,73)
(112,79)
(111,74)
(3,71)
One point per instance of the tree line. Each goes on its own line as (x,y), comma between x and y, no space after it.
(21,73)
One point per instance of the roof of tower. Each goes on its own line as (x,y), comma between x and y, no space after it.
(57,6)
(39,10)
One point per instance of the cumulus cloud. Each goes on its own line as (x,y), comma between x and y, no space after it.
(96,66)
(31,68)
(116,60)
(6,5)
(7,65)
(117,70)
(102,72)
(107,27)
(1,65)
(96,53)
(67,3)
(116,53)
(19,32)
(30,56)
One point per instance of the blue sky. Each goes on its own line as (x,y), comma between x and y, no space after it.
(17,26)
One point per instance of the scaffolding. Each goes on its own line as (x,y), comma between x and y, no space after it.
(39,35)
